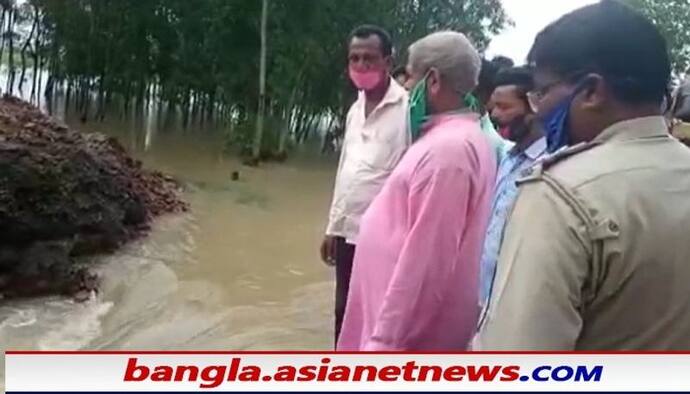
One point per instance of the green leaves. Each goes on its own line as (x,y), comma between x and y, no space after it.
(209,49)
(672,17)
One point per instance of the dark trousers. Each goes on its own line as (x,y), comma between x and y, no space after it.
(344,254)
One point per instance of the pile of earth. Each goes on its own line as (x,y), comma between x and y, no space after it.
(65,195)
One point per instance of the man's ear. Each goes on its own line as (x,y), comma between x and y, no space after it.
(389,63)
(594,92)
(433,81)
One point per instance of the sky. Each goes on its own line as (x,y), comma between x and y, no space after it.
(530,17)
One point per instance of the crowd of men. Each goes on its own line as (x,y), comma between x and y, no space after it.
(484,206)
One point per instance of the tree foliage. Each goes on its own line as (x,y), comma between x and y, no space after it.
(672,17)
(201,57)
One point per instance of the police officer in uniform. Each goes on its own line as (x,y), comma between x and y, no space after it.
(596,255)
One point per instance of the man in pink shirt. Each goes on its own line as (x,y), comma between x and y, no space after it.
(414,283)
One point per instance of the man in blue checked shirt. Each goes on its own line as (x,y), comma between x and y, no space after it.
(512,113)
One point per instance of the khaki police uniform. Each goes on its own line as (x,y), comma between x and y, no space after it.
(681,130)
(596,254)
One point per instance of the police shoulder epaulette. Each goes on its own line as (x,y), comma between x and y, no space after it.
(564,153)
(530,174)
(535,172)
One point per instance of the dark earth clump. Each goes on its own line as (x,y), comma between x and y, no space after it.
(65,195)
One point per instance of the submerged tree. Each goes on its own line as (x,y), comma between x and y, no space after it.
(256,151)
(202,59)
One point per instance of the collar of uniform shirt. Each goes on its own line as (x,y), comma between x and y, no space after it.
(537,148)
(645,127)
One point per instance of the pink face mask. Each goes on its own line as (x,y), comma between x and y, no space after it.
(365,80)
(504,132)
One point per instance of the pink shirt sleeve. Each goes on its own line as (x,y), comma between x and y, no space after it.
(423,277)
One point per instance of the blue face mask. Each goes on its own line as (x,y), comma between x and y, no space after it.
(556,127)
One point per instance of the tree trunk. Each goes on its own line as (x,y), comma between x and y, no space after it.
(194,107)
(53,75)
(77,96)
(68,95)
(36,57)
(256,151)
(128,89)
(162,106)
(185,109)
(141,94)
(85,99)
(10,33)
(211,106)
(3,20)
(204,108)
(49,92)
(329,137)
(100,112)
(309,127)
(282,144)
(302,125)
(200,108)
(23,55)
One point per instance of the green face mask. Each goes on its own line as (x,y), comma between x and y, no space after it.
(419,111)
(418,108)
(471,102)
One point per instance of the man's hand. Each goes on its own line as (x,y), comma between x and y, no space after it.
(328,250)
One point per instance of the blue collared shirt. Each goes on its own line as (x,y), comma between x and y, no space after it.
(509,170)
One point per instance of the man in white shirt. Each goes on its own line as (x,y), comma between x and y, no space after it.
(376,137)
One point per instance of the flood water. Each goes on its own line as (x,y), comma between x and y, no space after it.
(239,271)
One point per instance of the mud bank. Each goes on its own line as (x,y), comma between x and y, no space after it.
(65,195)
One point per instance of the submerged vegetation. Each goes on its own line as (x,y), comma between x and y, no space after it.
(201,59)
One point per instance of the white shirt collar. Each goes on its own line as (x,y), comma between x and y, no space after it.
(537,149)
(393,95)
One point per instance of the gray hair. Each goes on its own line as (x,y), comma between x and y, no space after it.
(452,54)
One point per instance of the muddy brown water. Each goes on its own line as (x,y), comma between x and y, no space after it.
(240,271)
